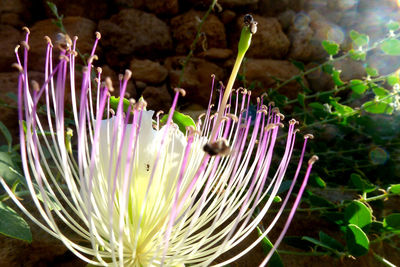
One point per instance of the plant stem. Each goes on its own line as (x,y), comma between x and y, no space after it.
(383,260)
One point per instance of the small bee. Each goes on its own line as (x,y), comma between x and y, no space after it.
(147,167)
(219,147)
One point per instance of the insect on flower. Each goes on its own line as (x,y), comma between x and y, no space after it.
(141,194)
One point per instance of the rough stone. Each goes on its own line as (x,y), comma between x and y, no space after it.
(75,26)
(184,29)
(94,10)
(216,53)
(196,79)
(227,16)
(269,41)
(10,38)
(133,31)
(123,4)
(169,7)
(9,84)
(306,35)
(273,7)
(157,98)
(266,71)
(148,71)
(286,19)
(15,12)
(237,3)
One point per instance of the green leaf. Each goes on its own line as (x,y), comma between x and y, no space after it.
(327,68)
(392,25)
(395,189)
(357,241)
(361,184)
(114,101)
(391,47)
(53,8)
(336,77)
(298,64)
(371,71)
(7,135)
(357,213)
(314,241)
(318,201)
(392,80)
(316,105)
(357,55)
(359,39)
(315,180)
(392,221)
(380,91)
(275,260)
(181,120)
(358,86)
(12,225)
(285,185)
(377,107)
(6,163)
(330,47)
(12,96)
(342,110)
(300,98)
(277,199)
(330,241)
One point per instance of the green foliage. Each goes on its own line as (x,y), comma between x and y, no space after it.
(7,135)
(330,242)
(363,185)
(336,77)
(357,55)
(359,39)
(275,260)
(392,80)
(392,25)
(376,107)
(391,47)
(114,101)
(357,139)
(395,189)
(372,71)
(358,86)
(12,225)
(358,214)
(317,181)
(357,241)
(392,222)
(330,47)
(181,120)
